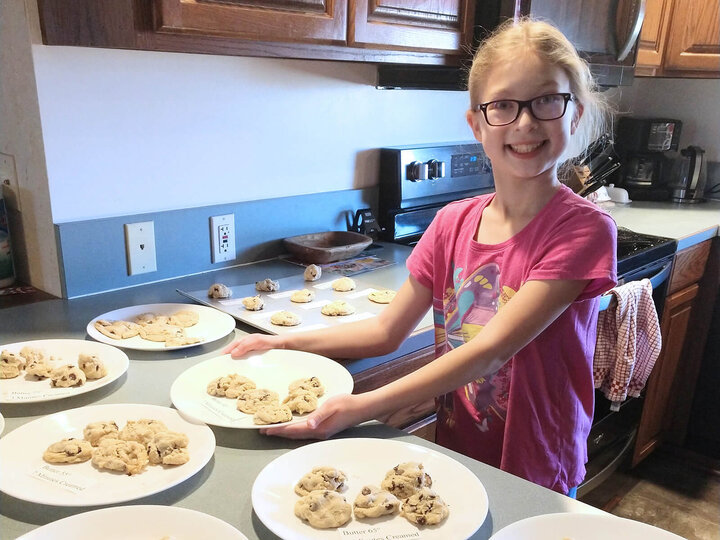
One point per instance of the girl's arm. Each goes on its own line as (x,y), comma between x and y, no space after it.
(532,309)
(369,337)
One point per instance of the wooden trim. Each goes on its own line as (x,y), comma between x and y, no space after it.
(378,376)
(689,266)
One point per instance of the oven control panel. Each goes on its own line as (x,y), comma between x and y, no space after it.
(413,176)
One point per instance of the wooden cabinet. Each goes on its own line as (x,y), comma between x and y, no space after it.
(680,39)
(671,382)
(432,32)
(418,419)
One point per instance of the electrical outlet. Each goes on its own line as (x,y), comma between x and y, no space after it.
(140,247)
(222,238)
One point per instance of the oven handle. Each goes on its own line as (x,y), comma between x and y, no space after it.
(656,280)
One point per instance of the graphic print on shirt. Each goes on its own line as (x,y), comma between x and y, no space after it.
(467,307)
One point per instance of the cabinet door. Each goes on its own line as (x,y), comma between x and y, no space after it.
(694,40)
(301,21)
(444,26)
(655,416)
(651,46)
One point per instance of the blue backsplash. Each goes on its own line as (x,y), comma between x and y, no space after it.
(92,252)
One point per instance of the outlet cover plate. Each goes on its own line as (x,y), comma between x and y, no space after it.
(140,247)
(222,238)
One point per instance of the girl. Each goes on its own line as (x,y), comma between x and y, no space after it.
(513,278)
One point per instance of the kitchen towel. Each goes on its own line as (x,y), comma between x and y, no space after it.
(628,342)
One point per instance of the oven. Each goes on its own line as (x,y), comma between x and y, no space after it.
(417,181)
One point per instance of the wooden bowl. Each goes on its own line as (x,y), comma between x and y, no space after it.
(325,247)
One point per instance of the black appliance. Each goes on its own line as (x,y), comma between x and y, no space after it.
(643,145)
(417,181)
(605,32)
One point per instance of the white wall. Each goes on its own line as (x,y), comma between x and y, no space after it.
(696,102)
(132,131)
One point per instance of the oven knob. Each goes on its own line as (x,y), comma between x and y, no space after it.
(417,170)
(436,169)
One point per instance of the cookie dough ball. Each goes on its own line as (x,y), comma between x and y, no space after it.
(250,401)
(382,297)
(168,448)
(405,479)
(312,273)
(425,507)
(31,354)
(66,376)
(129,457)
(142,431)
(275,413)
(338,308)
(117,329)
(312,384)
(11,365)
(285,318)
(253,303)
(321,478)
(302,296)
(185,318)
(218,290)
(39,368)
(97,431)
(374,502)
(323,509)
(344,284)
(267,285)
(301,401)
(230,386)
(68,451)
(92,366)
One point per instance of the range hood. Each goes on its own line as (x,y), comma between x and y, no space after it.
(415,77)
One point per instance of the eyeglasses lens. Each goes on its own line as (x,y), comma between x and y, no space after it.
(548,107)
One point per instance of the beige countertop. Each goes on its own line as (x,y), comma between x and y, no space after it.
(689,224)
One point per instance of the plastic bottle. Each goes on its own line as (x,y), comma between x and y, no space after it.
(7,269)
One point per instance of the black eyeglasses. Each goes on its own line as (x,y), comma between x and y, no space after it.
(505,111)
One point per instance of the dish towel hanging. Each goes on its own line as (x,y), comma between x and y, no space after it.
(628,342)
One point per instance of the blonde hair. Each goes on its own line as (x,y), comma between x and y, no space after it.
(551,45)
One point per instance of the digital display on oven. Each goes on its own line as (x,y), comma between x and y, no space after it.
(467,165)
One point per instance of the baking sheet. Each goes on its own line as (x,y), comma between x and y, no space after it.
(310,314)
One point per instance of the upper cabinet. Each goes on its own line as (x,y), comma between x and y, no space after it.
(680,39)
(433,32)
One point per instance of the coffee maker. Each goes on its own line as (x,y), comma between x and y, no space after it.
(642,145)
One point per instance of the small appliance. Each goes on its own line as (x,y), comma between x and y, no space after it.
(688,176)
(643,144)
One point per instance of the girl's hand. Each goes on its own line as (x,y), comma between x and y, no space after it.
(253,342)
(336,414)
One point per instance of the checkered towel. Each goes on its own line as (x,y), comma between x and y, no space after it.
(628,342)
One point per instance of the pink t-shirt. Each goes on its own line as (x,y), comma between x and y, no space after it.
(532,417)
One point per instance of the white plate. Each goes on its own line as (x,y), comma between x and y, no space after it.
(151,522)
(213,324)
(365,461)
(22,465)
(581,526)
(274,369)
(24,389)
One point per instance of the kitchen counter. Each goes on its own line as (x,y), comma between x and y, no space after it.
(689,224)
(222,487)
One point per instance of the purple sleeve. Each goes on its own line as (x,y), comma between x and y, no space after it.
(583,248)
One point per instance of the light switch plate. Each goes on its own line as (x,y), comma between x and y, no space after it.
(222,238)
(140,247)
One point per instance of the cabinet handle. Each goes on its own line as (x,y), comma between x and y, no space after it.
(634,32)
